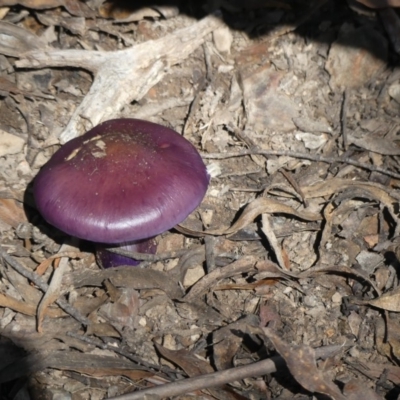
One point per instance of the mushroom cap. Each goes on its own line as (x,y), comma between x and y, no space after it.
(124,180)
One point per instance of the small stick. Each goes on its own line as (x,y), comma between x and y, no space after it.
(220,378)
(148,257)
(344,119)
(209,242)
(294,154)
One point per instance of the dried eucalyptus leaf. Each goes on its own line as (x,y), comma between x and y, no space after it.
(389,301)
(135,278)
(15,40)
(301,363)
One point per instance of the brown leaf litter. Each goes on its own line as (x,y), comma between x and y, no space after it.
(284,282)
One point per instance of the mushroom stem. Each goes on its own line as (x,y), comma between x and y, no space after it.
(108,259)
(121,184)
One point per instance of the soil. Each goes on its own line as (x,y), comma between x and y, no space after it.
(286,277)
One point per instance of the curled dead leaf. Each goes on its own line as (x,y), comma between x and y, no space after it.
(22,307)
(245,264)
(261,205)
(370,190)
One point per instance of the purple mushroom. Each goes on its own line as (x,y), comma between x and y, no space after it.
(121,183)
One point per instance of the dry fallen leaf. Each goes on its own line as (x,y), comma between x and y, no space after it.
(375,370)
(101,329)
(227,341)
(194,366)
(127,14)
(186,360)
(356,390)
(300,360)
(261,205)
(135,278)
(245,264)
(16,40)
(75,7)
(379,145)
(52,292)
(380,3)
(9,87)
(99,371)
(28,309)
(268,206)
(370,190)
(42,267)
(389,301)
(35,4)
(74,361)
(248,286)
(11,212)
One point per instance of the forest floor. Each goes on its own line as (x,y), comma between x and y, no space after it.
(288,268)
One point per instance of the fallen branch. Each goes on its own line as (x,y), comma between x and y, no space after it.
(120,76)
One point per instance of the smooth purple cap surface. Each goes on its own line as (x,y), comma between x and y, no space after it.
(124,180)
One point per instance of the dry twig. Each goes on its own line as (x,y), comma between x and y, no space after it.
(294,154)
(148,257)
(220,378)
